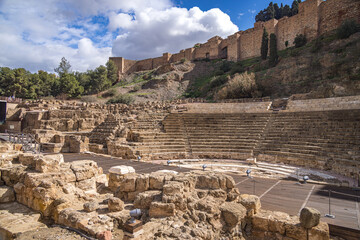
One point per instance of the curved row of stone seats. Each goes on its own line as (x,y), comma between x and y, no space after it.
(105,130)
(326,139)
(324,104)
(149,122)
(205,135)
(249,107)
(222,135)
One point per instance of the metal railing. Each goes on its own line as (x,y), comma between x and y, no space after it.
(28,141)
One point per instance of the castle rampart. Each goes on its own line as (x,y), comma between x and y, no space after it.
(315,18)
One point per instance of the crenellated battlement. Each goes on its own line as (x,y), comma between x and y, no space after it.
(315,18)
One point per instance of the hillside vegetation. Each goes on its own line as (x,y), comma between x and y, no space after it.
(325,67)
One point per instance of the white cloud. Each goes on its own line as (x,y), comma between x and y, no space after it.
(154,31)
(37,34)
(121,20)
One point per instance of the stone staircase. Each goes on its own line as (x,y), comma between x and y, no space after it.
(106,129)
(160,137)
(327,140)
(190,135)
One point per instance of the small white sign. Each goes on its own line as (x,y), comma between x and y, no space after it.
(11,127)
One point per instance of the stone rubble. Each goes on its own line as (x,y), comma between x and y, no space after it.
(193,205)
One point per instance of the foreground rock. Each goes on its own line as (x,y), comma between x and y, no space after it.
(193,205)
(309,217)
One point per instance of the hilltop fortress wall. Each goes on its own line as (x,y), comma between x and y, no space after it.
(315,18)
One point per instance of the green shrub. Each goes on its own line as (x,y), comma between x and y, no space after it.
(218,81)
(273,57)
(300,40)
(225,66)
(237,68)
(286,44)
(264,44)
(110,93)
(348,28)
(317,45)
(121,98)
(136,88)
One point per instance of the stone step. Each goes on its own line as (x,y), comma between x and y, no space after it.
(15,218)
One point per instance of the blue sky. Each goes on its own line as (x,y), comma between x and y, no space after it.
(37,34)
(242,13)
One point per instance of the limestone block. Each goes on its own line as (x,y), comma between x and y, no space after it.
(7,194)
(15,219)
(87,184)
(144,199)
(320,232)
(27,159)
(121,150)
(218,193)
(277,221)
(208,205)
(309,217)
(70,217)
(160,210)
(207,182)
(233,195)
(233,213)
(90,206)
(142,183)
(13,175)
(128,183)
(115,180)
(178,199)
(188,181)
(115,204)
(294,230)
(250,202)
(156,181)
(172,187)
(85,169)
(121,170)
(260,222)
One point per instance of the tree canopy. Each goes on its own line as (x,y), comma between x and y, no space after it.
(274,11)
(24,84)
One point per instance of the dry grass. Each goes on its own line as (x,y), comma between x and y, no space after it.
(240,86)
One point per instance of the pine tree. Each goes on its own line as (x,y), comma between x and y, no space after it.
(64,67)
(264,45)
(295,7)
(273,57)
(287,11)
(271,11)
(277,11)
(112,72)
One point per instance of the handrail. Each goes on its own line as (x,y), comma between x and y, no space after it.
(26,140)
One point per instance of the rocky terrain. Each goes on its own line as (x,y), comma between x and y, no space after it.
(326,67)
(195,205)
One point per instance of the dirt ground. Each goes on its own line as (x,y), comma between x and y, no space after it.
(59,233)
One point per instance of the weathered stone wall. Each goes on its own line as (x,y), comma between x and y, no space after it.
(177,57)
(157,62)
(333,12)
(315,17)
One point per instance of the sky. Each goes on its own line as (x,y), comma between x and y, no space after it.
(36,34)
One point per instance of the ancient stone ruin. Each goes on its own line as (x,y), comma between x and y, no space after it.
(194,205)
(321,134)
